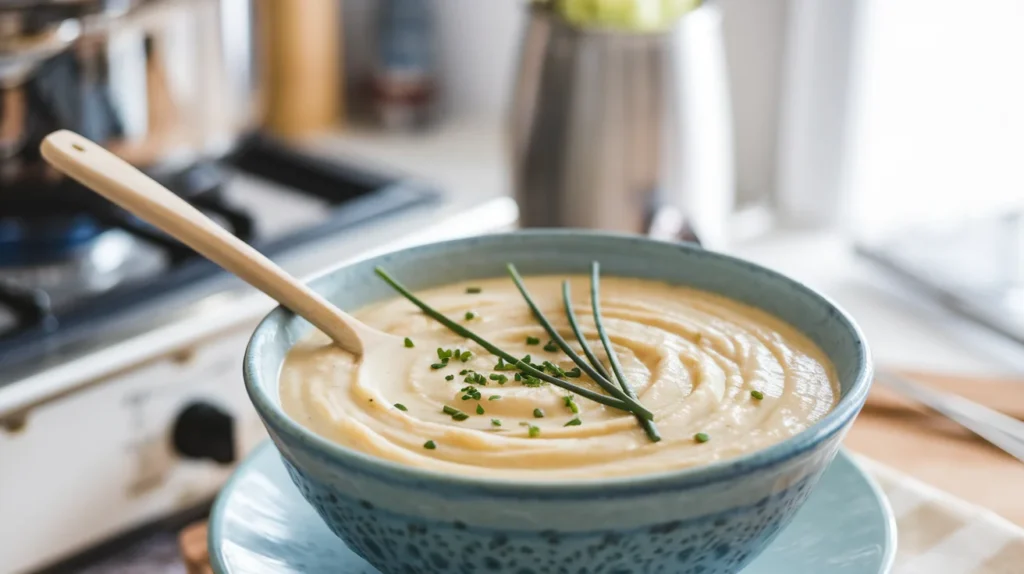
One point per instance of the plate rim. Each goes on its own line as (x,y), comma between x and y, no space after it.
(215,521)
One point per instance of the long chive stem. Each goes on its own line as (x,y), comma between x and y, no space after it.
(613,359)
(567,301)
(525,367)
(605,384)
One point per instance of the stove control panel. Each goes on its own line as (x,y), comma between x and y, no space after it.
(204,431)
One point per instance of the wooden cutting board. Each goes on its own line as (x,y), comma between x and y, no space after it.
(895,432)
(934,449)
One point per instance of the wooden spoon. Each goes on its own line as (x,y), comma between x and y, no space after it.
(116,180)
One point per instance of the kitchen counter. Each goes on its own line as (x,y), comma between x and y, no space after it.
(468,157)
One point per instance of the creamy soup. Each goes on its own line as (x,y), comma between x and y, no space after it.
(722,379)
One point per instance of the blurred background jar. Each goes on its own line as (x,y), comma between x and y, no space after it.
(620,119)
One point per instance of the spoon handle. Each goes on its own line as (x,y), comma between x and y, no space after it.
(118,181)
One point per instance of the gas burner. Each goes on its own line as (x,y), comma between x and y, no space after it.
(70,261)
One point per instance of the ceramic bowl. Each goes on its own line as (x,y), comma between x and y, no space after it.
(711,519)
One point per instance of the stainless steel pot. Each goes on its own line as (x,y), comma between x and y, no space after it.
(163,83)
(624,130)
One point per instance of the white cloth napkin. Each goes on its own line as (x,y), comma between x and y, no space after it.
(941,534)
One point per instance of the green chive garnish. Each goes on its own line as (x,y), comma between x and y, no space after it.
(495,422)
(494,398)
(519,377)
(573,423)
(456,414)
(757,395)
(551,347)
(526,359)
(532,341)
(436,366)
(538,413)
(400,407)
(473,290)
(464,332)
(464,372)
(631,403)
(613,358)
(469,315)
(570,404)
(534,432)
(449,377)
(465,356)
(479,409)
(701,437)
(574,373)
(408,343)
(429,445)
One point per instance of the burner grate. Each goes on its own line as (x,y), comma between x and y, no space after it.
(351,196)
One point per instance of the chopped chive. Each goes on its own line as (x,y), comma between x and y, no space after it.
(551,347)
(613,358)
(464,372)
(526,359)
(538,413)
(519,377)
(469,315)
(611,401)
(436,366)
(401,407)
(473,290)
(570,404)
(531,381)
(429,445)
(456,414)
(449,410)
(701,437)
(460,417)
(574,373)
(757,395)
(408,343)
(534,432)
(532,341)
(495,422)
(573,423)
(494,398)
(449,377)
(465,356)
(479,409)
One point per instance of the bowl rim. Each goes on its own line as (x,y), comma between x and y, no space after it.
(834,422)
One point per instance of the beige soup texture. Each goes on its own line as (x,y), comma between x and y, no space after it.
(693,358)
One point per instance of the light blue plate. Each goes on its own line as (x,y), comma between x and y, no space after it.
(261,523)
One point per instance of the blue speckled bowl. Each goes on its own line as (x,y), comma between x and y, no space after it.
(713,519)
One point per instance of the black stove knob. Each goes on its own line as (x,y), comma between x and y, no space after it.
(204,431)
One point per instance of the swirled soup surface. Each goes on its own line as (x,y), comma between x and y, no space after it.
(691,357)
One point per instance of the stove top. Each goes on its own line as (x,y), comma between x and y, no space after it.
(68,274)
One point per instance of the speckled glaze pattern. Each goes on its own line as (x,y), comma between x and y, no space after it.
(261,523)
(710,520)
(720,543)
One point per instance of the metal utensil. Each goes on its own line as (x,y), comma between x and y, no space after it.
(623,130)
(1001,430)
(163,84)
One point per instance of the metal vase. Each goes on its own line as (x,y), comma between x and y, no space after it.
(624,131)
